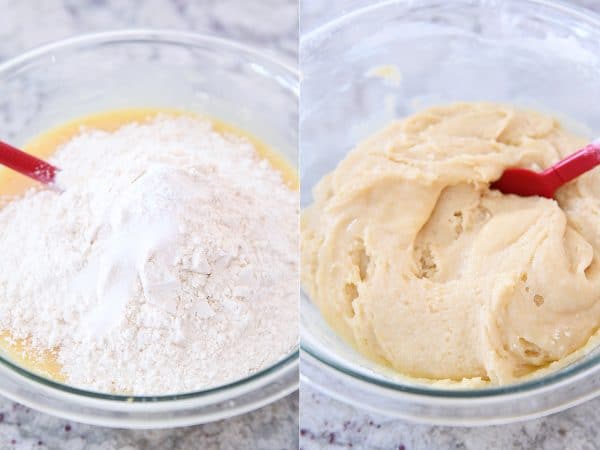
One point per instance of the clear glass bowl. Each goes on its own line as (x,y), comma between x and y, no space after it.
(534,53)
(52,84)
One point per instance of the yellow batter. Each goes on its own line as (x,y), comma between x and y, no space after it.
(13,184)
(412,258)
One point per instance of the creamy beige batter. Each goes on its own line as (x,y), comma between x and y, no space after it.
(412,258)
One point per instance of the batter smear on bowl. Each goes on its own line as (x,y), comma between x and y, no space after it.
(420,265)
(166,262)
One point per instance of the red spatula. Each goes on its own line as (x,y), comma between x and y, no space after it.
(26,164)
(526,182)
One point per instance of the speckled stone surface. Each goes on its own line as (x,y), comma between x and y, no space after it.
(26,23)
(329,424)
(272,427)
(268,24)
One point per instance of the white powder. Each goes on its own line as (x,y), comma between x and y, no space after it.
(168,264)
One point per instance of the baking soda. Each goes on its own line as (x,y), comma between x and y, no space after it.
(167,264)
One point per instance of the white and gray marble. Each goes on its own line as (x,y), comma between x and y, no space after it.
(329,424)
(274,427)
(269,24)
(326,423)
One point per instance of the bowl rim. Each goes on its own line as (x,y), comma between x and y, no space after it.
(163,35)
(579,12)
(566,375)
(159,36)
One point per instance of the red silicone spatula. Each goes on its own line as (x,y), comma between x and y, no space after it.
(26,164)
(526,182)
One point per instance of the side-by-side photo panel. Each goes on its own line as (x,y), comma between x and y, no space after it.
(449,233)
(149,209)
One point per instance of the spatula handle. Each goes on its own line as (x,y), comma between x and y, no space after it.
(26,164)
(576,164)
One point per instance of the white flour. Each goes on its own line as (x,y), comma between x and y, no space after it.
(168,264)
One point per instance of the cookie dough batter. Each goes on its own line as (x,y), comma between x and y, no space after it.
(412,258)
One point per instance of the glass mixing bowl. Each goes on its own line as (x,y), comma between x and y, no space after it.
(535,53)
(52,84)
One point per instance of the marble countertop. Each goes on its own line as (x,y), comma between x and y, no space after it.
(329,424)
(274,427)
(24,24)
(326,423)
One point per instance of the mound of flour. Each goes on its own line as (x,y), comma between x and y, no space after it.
(167,264)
